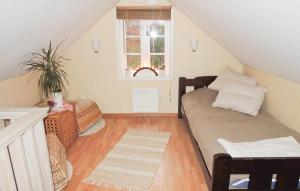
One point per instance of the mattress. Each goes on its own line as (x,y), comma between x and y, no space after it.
(208,124)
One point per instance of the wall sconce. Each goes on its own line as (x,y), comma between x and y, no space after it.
(95,45)
(194,44)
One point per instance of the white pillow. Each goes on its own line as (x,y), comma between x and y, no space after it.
(240,97)
(229,74)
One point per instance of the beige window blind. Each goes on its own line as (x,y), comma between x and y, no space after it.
(144,13)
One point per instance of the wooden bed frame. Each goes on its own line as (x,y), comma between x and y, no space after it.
(260,170)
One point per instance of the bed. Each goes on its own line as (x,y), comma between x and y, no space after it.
(206,124)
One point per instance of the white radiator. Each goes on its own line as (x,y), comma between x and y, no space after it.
(145,100)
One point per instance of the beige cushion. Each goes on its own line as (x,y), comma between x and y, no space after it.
(88,113)
(229,74)
(82,105)
(240,97)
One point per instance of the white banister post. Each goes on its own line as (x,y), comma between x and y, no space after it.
(43,156)
(7,180)
(33,160)
(24,157)
(16,150)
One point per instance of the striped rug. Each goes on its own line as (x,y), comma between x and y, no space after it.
(133,162)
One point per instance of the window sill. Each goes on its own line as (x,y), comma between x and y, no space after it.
(145,78)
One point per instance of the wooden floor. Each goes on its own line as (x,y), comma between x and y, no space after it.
(178,171)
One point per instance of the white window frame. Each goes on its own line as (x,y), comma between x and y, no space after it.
(121,56)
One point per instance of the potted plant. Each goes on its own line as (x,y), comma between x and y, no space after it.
(50,68)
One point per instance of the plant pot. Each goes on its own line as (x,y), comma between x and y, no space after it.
(57,99)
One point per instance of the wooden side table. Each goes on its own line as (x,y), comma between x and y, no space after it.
(64,125)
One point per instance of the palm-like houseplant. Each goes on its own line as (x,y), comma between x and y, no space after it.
(49,65)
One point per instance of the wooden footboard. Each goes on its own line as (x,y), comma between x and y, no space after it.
(260,170)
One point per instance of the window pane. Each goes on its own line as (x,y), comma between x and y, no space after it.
(133,61)
(133,45)
(132,27)
(159,28)
(158,61)
(157,45)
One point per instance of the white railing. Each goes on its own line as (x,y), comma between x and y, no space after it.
(24,158)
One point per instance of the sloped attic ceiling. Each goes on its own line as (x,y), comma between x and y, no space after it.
(261,33)
(29,25)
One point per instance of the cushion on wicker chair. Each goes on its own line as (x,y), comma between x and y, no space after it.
(83,105)
(88,113)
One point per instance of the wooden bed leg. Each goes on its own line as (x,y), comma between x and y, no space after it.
(221,172)
(181,92)
(179,114)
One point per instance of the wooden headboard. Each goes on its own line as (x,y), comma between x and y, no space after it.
(198,82)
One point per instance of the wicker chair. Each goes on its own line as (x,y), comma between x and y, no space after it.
(88,113)
(58,161)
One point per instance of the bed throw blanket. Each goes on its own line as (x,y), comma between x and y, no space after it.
(276,147)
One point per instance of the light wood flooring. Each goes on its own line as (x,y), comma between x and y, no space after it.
(178,171)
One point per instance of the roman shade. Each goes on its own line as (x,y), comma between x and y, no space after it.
(144,12)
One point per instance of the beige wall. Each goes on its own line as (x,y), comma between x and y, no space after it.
(283,97)
(18,92)
(95,76)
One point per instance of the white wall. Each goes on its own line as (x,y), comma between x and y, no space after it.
(28,26)
(283,97)
(261,33)
(95,76)
(19,92)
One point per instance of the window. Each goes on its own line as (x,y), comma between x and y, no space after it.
(144,43)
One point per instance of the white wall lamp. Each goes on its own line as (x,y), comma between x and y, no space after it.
(194,44)
(95,45)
